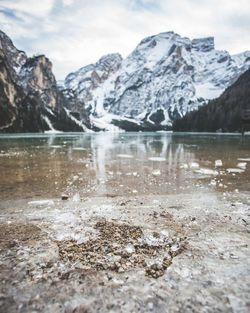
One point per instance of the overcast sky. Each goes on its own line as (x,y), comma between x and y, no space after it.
(74,33)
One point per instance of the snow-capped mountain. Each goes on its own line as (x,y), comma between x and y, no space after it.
(162,79)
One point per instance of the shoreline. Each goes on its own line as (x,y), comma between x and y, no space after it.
(207,232)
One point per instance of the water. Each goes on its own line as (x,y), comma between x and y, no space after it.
(108,164)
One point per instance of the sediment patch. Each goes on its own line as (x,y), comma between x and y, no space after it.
(121,247)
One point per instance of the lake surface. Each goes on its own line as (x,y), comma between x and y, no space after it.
(110,164)
(154,222)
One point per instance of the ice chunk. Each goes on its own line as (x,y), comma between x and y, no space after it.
(218,163)
(75,177)
(194,165)
(79,149)
(128,156)
(130,248)
(56,147)
(41,202)
(207,171)
(235,170)
(157,159)
(76,197)
(213,183)
(242,165)
(156,173)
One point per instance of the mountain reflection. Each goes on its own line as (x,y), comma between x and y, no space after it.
(110,163)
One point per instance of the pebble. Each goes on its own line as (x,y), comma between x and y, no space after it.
(64,197)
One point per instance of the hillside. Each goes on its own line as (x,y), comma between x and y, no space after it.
(223,113)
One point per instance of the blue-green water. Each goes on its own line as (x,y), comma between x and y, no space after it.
(47,165)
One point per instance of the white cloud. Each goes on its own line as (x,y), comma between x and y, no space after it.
(73,33)
(29,7)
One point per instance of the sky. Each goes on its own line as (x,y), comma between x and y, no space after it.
(75,33)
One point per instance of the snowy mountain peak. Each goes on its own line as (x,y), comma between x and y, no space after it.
(92,76)
(162,79)
(203,44)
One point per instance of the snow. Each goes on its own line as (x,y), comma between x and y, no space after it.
(52,129)
(79,123)
(49,110)
(104,123)
(207,91)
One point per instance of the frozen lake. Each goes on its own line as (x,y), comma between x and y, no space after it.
(153,222)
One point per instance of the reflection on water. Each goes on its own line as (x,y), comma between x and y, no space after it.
(120,164)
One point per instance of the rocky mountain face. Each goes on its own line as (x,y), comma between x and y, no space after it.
(165,77)
(30,100)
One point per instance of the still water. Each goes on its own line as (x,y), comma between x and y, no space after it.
(120,164)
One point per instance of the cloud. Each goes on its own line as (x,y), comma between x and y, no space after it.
(74,33)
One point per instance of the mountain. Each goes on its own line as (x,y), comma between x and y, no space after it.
(30,100)
(223,113)
(165,77)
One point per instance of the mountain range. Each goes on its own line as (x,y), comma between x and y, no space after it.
(163,79)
